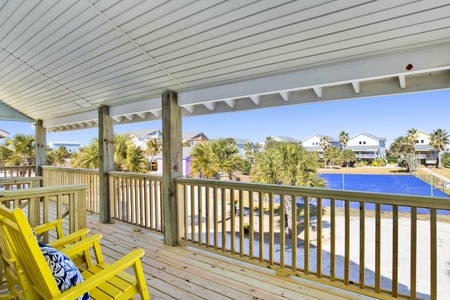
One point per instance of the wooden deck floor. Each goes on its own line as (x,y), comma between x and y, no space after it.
(190,273)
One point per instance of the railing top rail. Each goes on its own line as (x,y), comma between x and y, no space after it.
(17,167)
(42,191)
(68,169)
(14,180)
(369,197)
(134,175)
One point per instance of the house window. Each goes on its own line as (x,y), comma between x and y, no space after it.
(360,142)
(364,142)
(421,141)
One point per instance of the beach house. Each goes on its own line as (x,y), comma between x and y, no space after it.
(140,137)
(424,152)
(367,147)
(71,147)
(314,143)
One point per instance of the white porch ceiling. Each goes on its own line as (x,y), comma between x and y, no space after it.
(61,60)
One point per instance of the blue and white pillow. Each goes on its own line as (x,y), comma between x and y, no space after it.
(63,269)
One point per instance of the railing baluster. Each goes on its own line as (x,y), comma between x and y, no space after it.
(433,254)
(362,244)
(200,214)
(271,229)
(294,232)
(347,243)
(282,230)
(377,247)
(241,222)
(413,262)
(395,251)
(333,240)
(232,222)
(306,245)
(192,206)
(319,236)
(251,223)
(224,219)
(216,217)
(208,216)
(261,226)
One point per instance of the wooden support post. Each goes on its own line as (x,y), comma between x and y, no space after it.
(106,161)
(172,165)
(41,143)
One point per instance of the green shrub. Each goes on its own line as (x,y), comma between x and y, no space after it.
(361,163)
(446,159)
(379,162)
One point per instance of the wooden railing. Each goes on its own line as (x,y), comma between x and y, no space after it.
(70,202)
(20,183)
(17,171)
(137,199)
(57,176)
(354,240)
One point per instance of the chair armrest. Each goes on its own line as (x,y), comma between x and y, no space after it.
(110,271)
(84,244)
(47,226)
(68,239)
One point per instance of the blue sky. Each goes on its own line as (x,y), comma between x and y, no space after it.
(385,117)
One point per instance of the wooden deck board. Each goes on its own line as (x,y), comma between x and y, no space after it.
(189,273)
(186,272)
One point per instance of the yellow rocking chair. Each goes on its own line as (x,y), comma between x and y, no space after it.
(101,280)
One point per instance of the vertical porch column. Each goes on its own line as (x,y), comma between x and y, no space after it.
(172,165)
(40,142)
(106,161)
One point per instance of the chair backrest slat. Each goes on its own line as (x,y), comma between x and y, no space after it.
(23,245)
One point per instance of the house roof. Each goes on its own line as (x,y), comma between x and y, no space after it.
(143,133)
(60,61)
(3,134)
(370,136)
(241,141)
(331,139)
(286,139)
(190,135)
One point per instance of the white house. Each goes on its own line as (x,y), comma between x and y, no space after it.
(140,137)
(367,146)
(286,139)
(71,147)
(312,143)
(425,153)
(186,162)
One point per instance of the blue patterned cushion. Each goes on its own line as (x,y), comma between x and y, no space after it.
(63,269)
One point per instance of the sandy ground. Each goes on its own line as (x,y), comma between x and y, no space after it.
(404,257)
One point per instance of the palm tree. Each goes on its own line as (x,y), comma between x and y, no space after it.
(412,135)
(348,156)
(211,158)
(324,142)
(332,155)
(343,139)
(439,138)
(153,147)
(287,164)
(87,157)
(404,148)
(18,150)
(127,156)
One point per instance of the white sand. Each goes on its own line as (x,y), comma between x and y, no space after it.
(423,253)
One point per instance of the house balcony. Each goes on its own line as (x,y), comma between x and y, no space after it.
(345,244)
